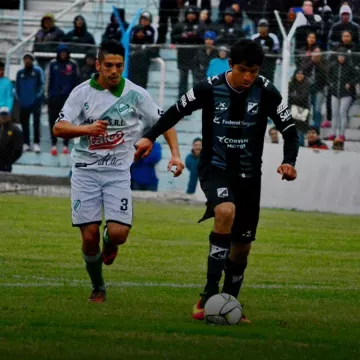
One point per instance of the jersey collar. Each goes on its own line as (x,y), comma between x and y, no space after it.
(116,91)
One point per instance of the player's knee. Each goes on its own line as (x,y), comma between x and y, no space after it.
(225,213)
(240,252)
(118,234)
(90,239)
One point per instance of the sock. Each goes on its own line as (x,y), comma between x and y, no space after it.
(219,248)
(94,269)
(234,277)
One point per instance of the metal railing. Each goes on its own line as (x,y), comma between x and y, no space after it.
(24,42)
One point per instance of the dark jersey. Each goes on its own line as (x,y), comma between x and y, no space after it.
(234,123)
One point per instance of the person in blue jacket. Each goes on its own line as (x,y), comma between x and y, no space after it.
(29,92)
(191,163)
(61,78)
(6,89)
(143,173)
(219,65)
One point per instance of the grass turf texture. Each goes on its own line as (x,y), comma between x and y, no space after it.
(301,288)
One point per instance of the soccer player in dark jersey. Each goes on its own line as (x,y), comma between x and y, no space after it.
(235,109)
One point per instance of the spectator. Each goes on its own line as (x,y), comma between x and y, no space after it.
(316,68)
(352,49)
(205,55)
(327,23)
(187,33)
(205,20)
(143,172)
(61,78)
(191,163)
(305,50)
(219,65)
(140,57)
(29,92)
(345,23)
(204,4)
(168,9)
(89,68)
(271,46)
(113,30)
(313,24)
(47,38)
(6,89)
(299,90)
(313,139)
(343,78)
(11,141)
(228,30)
(237,13)
(274,135)
(79,37)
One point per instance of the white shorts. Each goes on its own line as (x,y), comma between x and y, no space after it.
(93,190)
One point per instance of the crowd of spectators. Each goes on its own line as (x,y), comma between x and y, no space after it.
(321,91)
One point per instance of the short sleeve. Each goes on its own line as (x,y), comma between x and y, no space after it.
(72,109)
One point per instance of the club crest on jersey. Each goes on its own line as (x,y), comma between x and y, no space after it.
(107,141)
(252,108)
(124,109)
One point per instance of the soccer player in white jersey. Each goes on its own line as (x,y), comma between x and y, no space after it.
(106,116)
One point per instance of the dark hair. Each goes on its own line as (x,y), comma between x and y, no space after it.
(2,64)
(273,128)
(248,52)
(110,47)
(314,128)
(196,140)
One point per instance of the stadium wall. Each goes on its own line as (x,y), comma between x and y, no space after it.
(327,181)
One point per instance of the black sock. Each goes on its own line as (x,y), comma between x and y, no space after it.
(219,248)
(94,269)
(234,277)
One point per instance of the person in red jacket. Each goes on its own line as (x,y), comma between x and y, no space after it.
(313,138)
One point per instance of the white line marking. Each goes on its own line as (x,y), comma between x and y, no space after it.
(61,282)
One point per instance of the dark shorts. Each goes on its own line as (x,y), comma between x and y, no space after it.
(219,187)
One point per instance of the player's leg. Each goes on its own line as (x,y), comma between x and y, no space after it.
(243,233)
(117,203)
(220,204)
(86,199)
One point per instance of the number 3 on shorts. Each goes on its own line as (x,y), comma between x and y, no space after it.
(124,205)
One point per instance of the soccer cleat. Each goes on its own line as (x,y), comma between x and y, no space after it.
(54,151)
(97,296)
(198,312)
(110,250)
(65,150)
(244,319)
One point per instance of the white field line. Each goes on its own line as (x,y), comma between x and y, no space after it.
(61,282)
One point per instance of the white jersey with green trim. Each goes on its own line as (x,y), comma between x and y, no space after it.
(130,111)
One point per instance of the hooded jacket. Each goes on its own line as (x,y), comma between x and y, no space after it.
(79,35)
(299,92)
(188,33)
(340,75)
(191,163)
(30,86)
(61,76)
(217,66)
(86,71)
(340,26)
(149,32)
(54,34)
(113,30)
(228,33)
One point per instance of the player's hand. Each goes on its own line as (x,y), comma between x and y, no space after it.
(287,171)
(143,148)
(97,128)
(176,161)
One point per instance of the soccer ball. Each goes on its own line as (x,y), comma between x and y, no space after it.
(223,309)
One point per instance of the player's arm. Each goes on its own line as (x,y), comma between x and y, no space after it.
(70,116)
(281,115)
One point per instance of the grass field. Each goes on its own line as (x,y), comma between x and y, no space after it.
(302,288)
